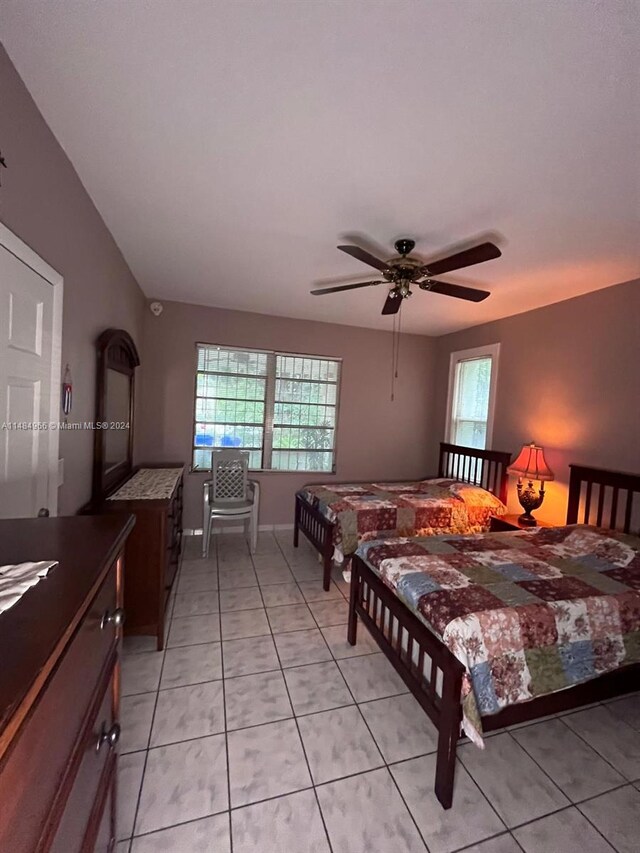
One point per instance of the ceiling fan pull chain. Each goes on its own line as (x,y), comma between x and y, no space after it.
(398,340)
(393,358)
(395,351)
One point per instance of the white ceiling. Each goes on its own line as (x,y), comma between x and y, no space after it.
(231,145)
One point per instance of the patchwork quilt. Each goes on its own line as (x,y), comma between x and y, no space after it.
(384,510)
(527,612)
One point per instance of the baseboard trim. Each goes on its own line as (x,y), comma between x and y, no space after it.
(238,528)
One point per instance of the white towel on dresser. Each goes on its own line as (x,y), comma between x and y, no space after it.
(17,578)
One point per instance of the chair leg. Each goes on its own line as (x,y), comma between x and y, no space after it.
(254,531)
(206,514)
(206,535)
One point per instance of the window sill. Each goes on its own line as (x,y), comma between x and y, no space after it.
(193,470)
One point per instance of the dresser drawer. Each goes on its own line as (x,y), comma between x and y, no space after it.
(174,518)
(98,747)
(104,841)
(36,772)
(173,537)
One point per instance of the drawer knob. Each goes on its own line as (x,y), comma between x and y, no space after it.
(116,619)
(110,737)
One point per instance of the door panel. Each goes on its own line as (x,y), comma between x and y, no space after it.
(25,322)
(24,453)
(26,319)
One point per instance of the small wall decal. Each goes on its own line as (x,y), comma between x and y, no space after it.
(67,392)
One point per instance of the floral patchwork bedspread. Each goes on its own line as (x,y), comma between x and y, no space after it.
(384,510)
(527,612)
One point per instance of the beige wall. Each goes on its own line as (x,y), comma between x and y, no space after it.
(44,203)
(376,438)
(569,379)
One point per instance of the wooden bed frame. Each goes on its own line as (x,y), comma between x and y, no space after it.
(486,468)
(434,675)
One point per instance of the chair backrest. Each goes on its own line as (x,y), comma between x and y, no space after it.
(229,474)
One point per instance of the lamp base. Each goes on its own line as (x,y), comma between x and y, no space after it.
(529,499)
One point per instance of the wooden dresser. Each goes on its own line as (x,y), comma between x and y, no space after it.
(154,547)
(60,685)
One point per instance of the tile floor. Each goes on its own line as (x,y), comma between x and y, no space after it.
(260,730)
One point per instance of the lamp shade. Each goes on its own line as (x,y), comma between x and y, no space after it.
(531,464)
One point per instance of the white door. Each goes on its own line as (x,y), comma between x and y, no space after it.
(29,365)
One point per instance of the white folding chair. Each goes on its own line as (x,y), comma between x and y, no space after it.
(229,494)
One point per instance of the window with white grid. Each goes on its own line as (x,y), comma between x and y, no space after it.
(472,383)
(280,407)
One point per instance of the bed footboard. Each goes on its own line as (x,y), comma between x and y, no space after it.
(427,667)
(319,531)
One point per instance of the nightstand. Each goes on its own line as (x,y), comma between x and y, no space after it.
(510,522)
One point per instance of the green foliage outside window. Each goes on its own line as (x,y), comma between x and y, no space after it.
(231,407)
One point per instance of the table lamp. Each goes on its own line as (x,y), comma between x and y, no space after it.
(530,465)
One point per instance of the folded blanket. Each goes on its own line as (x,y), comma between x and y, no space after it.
(17,578)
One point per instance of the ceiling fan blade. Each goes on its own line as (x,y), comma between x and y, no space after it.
(345,287)
(472,294)
(392,303)
(364,256)
(476,255)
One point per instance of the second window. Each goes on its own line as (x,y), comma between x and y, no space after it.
(473,376)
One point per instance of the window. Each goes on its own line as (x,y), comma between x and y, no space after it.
(472,382)
(280,407)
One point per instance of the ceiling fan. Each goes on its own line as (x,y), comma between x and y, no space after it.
(401,272)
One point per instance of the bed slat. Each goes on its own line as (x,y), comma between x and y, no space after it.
(627,512)
(601,493)
(587,504)
(614,509)
(606,513)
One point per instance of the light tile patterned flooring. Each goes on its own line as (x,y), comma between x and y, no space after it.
(260,730)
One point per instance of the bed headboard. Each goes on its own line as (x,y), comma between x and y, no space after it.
(604,498)
(486,468)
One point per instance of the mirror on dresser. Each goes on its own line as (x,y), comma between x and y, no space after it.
(115,391)
(150,491)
